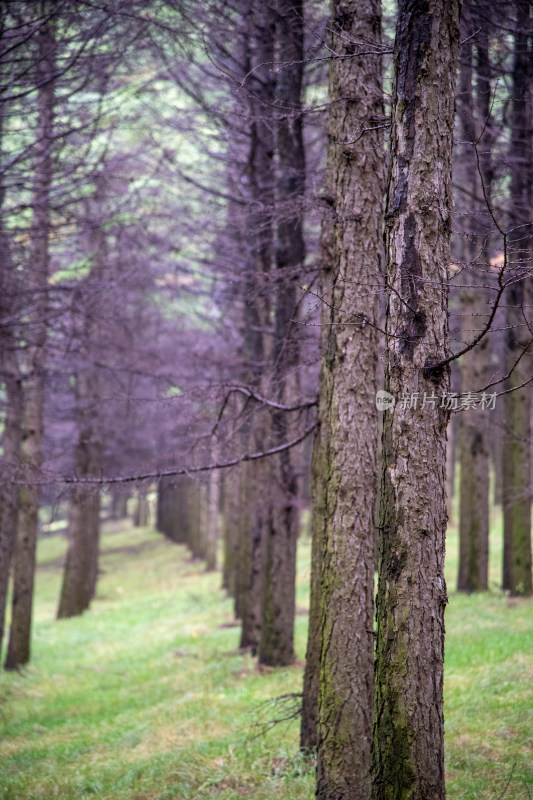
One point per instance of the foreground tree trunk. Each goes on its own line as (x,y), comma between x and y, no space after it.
(345,456)
(32,422)
(516,491)
(408,753)
(276,646)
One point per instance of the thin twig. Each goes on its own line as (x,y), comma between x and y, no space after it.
(167,473)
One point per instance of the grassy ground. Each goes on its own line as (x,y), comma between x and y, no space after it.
(145,698)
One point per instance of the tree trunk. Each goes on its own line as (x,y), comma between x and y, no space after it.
(255,478)
(11,436)
(450,469)
(474,458)
(160,510)
(345,457)
(279,582)
(9,492)
(319,468)
(32,421)
(452,432)
(81,565)
(167,509)
(311,687)
(213,501)
(408,751)
(141,519)
(497,418)
(260,80)
(231,517)
(474,503)
(193,501)
(519,349)
(176,509)
(119,502)
(476,364)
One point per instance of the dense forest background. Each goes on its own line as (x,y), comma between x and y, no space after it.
(245,273)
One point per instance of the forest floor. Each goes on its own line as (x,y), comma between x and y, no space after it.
(146,697)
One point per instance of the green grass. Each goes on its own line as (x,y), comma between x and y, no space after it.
(488,685)
(146,698)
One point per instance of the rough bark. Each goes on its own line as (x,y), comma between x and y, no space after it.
(516,494)
(345,457)
(276,646)
(18,652)
(408,751)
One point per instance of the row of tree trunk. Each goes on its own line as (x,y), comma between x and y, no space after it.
(262,503)
(488,229)
(380,733)
(369,711)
